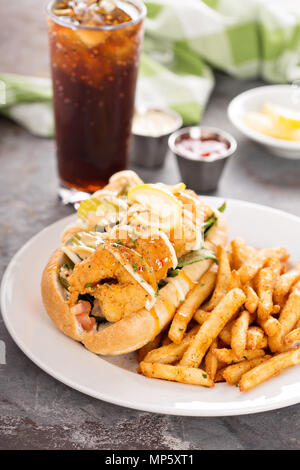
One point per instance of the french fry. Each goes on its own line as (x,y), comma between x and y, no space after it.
(275,265)
(276,309)
(271,326)
(239,334)
(279,253)
(288,318)
(256,338)
(166,340)
(293,337)
(265,283)
(241,252)
(235,281)
(245,277)
(284,285)
(225,334)
(211,362)
(186,311)
(149,347)
(268,369)
(171,352)
(251,302)
(210,329)
(233,373)
(249,270)
(181,374)
(219,376)
(201,316)
(228,356)
(223,279)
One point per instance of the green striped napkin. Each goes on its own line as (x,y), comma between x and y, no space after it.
(184,41)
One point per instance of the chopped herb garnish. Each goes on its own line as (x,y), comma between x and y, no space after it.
(117,243)
(182,301)
(246,358)
(135,266)
(88,284)
(108,285)
(181,329)
(202,284)
(132,247)
(157,291)
(204,376)
(222,207)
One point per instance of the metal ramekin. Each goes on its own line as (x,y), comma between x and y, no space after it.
(150,151)
(202,175)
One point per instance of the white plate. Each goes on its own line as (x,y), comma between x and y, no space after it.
(253,100)
(115,380)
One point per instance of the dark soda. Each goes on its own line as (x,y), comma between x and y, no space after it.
(94,56)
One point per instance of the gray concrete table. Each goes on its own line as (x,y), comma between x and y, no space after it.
(38,412)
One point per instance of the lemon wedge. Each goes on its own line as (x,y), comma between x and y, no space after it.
(177,188)
(260,122)
(160,208)
(282,117)
(264,124)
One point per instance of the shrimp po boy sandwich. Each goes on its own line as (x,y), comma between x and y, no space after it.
(130,259)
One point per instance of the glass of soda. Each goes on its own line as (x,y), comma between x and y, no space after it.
(95,47)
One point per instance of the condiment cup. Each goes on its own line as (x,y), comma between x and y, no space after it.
(150,151)
(202,174)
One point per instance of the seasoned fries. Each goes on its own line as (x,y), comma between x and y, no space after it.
(265,284)
(171,352)
(239,333)
(229,357)
(251,299)
(223,279)
(241,252)
(201,316)
(232,374)
(284,285)
(186,311)
(234,281)
(271,326)
(246,332)
(269,368)
(211,362)
(287,319)
(256,338)
(210,329)
(187,375)
(293,337)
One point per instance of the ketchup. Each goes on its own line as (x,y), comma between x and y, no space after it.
(201,146)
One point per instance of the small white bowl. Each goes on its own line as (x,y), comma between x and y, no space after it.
(253,100)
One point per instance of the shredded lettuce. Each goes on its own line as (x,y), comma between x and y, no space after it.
(213,219)
(196,256)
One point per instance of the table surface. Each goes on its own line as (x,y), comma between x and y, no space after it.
(37,411)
